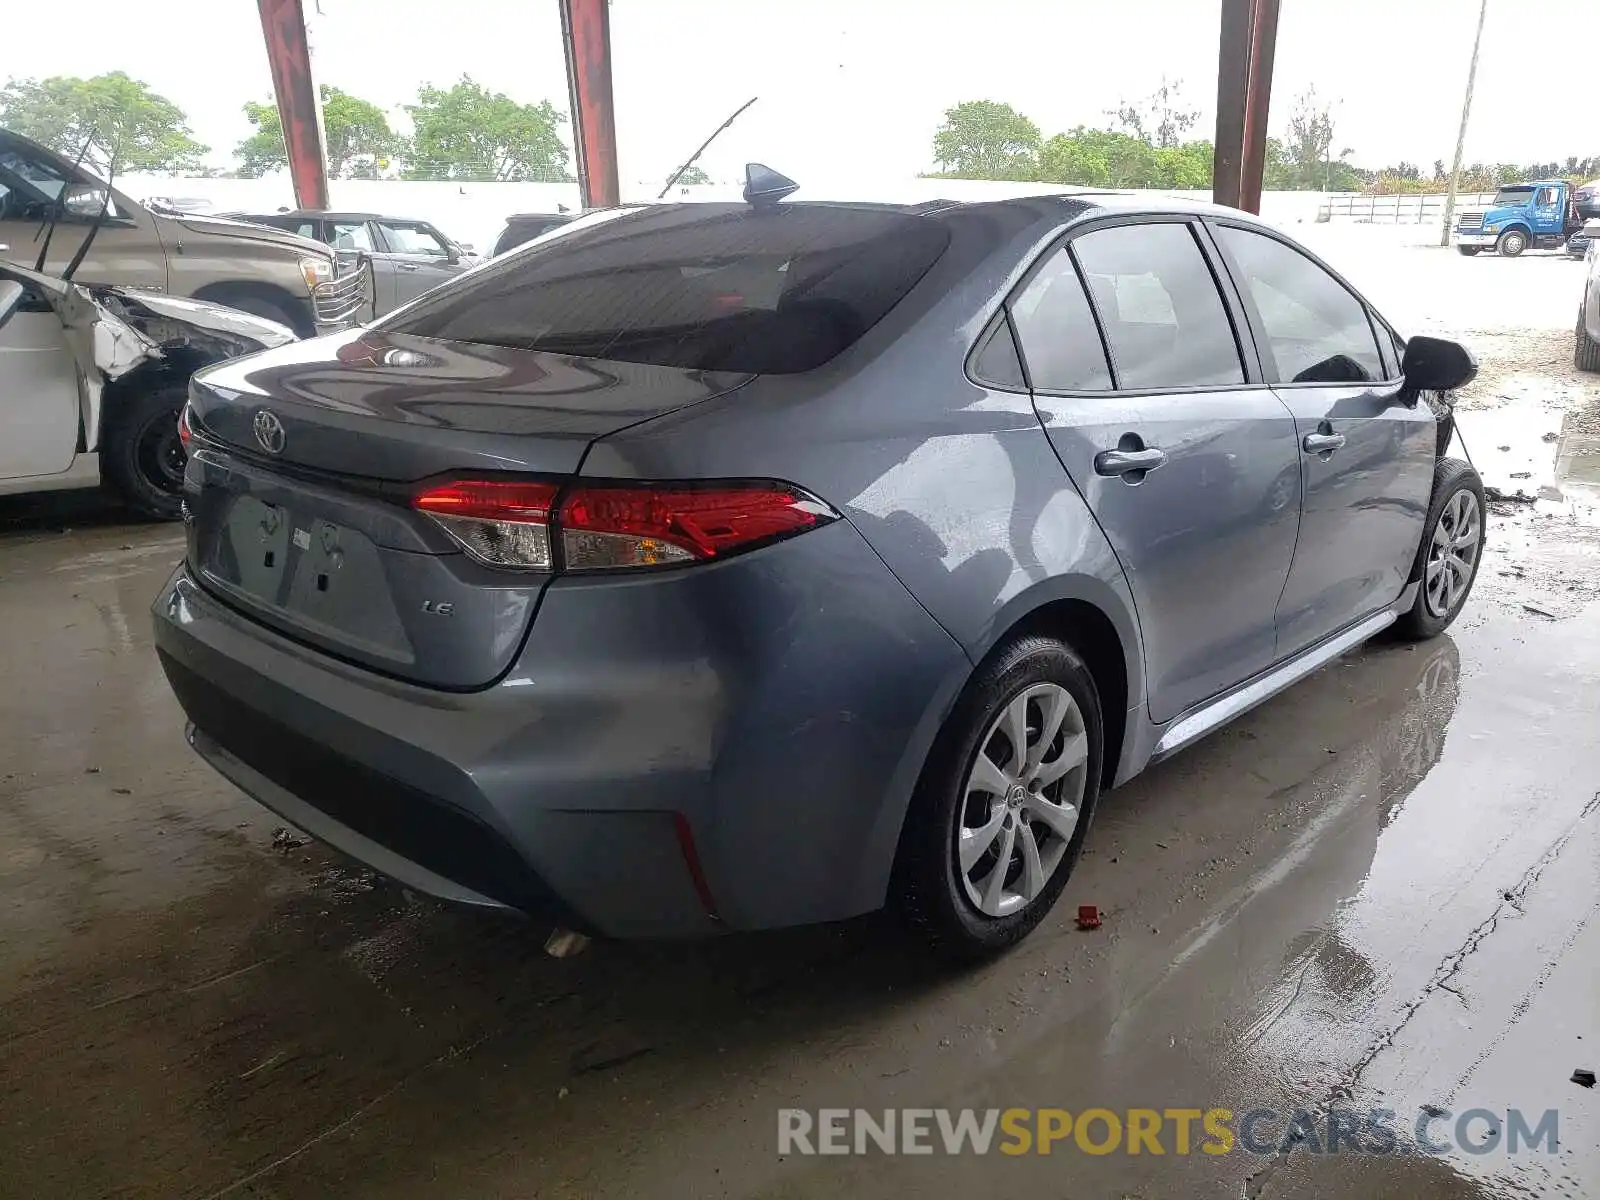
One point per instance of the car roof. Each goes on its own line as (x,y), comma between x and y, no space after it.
(339,215)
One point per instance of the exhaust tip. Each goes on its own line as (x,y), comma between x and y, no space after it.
(565,943)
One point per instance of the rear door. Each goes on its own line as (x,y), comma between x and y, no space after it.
(421,258)
(345,233)
(1366,455)
(1186,460)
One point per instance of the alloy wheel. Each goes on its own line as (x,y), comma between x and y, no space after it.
(1453,555)
(1022,799)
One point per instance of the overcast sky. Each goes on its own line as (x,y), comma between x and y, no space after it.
(855,89)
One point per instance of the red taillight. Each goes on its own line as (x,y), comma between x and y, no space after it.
(185,434)
(504,524)
(606,526)
(655,526)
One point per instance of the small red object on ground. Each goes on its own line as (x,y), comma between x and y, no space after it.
(1088,917)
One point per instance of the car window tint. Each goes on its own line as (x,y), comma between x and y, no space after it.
(997,361)
(701,286)
(1164,318)
(1317,331)
(1057,330)
(351,235)
(410,239)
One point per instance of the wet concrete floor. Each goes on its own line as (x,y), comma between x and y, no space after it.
(1379,890)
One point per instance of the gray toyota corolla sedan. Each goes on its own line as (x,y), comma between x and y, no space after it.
(731,566)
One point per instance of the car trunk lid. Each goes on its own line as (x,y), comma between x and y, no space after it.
(305,460)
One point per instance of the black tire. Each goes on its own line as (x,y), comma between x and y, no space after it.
(1586,352)
(1451,476)
(1511,244)
(926,888)
(1469,251)
(141,456)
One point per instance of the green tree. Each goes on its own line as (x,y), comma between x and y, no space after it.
(466,132)
(360,141)
(981,139)
(135,128)
(694,175)
(1075,157)
(1111,158)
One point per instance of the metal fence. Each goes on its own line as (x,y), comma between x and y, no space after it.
(1396,210)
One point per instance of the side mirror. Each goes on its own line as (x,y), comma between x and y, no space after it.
(452,255)
(11,294)
(1436,365)
(84,200)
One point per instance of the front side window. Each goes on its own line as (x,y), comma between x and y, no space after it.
(30,177)
(1158,302)
(1058,332)
(1317,331)
(31,188)
(412,239)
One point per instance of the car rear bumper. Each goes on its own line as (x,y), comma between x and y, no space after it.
(730,747)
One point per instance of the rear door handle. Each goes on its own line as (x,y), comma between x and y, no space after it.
(1322,443)
(1124,462)
(406,266)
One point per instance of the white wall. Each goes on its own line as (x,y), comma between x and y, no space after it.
(474,212)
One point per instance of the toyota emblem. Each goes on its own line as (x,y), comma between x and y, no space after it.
(269,431)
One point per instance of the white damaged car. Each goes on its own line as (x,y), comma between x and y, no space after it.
(92,381)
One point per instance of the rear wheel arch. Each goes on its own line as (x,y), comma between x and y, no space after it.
(1093,635)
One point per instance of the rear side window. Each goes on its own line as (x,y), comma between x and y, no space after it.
(701,287)
(1317,330)
(1058,332)
(997,362)
(1164,319)
(351,235)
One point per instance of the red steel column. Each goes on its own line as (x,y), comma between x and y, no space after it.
(283,24)
(586,35)
(1244,94)
(1258,101)
(1233,81)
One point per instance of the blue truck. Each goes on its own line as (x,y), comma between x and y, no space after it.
(1541,215)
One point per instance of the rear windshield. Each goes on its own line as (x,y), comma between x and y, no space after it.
(703,287)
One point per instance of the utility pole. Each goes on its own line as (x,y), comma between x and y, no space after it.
(1461,137)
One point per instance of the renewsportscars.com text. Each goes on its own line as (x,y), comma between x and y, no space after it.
(1177,1131)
